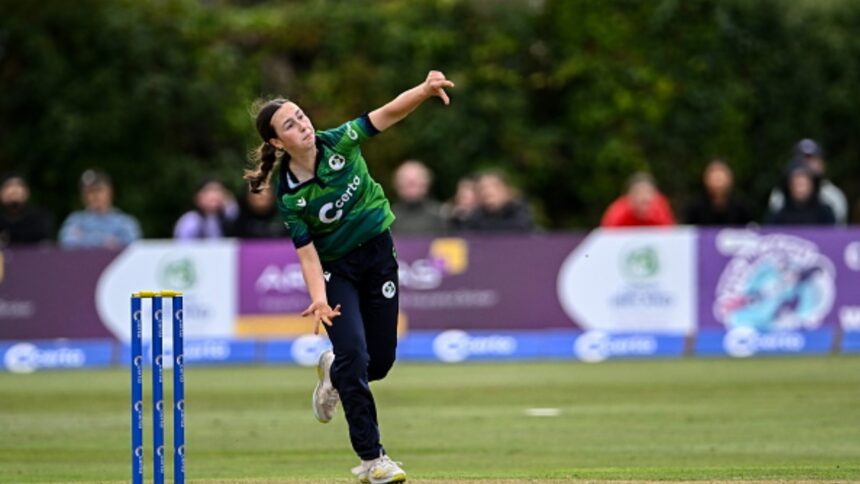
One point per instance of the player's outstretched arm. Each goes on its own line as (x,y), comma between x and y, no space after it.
(389,114)
(313,273)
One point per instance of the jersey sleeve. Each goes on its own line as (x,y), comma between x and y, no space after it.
(348,136)
(296,227)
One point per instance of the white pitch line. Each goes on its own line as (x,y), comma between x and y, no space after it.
(543,412)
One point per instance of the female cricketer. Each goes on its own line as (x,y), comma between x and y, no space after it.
(339,219)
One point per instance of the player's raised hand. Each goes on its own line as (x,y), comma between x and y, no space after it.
(321,312)
(435,85)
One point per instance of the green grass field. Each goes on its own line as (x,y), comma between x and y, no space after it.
(770,419)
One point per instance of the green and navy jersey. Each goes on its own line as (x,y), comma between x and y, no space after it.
(341,206)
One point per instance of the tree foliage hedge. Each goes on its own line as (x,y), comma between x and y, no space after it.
(569,97)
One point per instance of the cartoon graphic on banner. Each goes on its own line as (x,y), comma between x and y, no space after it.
(773,282)
(776,291)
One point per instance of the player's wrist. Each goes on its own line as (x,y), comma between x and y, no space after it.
(425,90)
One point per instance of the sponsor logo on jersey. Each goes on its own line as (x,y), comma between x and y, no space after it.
(326,215)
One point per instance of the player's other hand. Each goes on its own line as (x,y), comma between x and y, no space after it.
(435,85)
(321,312)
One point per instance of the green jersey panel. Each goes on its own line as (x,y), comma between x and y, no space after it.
(342,206)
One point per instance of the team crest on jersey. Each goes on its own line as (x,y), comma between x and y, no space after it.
(301,203)
(353,134)
(336,162)
(389,289)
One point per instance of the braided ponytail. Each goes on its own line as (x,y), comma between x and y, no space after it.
(263,158)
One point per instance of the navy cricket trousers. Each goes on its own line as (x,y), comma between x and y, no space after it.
(364,282)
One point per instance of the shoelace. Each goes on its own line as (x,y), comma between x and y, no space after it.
(385,461)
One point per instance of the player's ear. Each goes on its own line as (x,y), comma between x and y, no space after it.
(276,143)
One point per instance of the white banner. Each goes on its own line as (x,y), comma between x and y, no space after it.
(632,280)
(204,272)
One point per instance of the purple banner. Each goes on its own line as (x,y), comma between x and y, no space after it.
(483,282)
(491,283)
(270,279)
(668,282)
(49,293)
(787,280)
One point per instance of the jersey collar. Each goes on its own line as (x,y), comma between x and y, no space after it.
(290,182)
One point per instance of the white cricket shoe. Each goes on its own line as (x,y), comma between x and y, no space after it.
(379,471)
(325,396)
(360,471)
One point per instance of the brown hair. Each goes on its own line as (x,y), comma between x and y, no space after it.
(264,157)
(641,177)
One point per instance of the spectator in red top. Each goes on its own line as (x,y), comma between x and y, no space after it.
(642,205)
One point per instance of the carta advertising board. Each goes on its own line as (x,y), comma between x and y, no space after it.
(202,351)
(746,342)
(851,342)
(454,346)
(30,356)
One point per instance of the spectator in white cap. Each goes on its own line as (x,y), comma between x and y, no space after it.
(809,152)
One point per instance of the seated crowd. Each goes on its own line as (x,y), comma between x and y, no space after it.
(485,202)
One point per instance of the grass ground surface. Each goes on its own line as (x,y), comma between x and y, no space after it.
(785,419)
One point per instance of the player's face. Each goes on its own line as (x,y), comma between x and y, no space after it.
(294,129)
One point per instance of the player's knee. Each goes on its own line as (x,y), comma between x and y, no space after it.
(379,367)
(351,361)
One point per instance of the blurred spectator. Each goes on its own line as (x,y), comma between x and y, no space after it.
(258,217)
(500,208)
(21,223)
(416,212)
(803,205)
(214,213)
(809,152)
(642,205)
(100,224)
(718,205)
(461,208)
